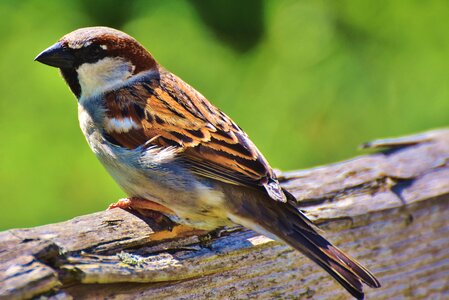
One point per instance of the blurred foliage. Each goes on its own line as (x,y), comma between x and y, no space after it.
(112,13)
(239,23)
(308,81)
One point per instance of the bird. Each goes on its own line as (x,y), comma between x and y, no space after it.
(173,151)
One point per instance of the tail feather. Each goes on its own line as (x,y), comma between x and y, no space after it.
(289,224)
(348,272)
(336,269)
(330,250)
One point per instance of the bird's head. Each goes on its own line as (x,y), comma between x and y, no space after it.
(93,60)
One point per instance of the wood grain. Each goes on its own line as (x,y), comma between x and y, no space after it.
(388,209)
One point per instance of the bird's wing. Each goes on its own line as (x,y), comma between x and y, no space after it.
(165,111)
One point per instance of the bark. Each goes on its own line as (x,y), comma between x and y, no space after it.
(388,209)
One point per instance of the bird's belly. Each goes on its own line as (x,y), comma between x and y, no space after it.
(195,203)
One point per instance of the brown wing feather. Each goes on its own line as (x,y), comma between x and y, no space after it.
(168,112)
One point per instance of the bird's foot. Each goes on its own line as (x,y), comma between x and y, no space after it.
(208,237)
(159,214)
(147,209)
(227,230)
(140,204)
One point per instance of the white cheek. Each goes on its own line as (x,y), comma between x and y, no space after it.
(99,77)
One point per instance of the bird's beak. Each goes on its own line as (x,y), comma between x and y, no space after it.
(57,56)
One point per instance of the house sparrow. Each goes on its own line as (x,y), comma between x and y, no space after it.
(172,151)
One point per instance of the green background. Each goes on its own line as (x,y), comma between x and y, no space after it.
(308,81)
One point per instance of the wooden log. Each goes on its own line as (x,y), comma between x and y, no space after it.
(387,209)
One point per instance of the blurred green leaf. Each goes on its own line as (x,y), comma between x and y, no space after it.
(239,23)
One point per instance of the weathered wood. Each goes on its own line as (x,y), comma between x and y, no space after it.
(387,209)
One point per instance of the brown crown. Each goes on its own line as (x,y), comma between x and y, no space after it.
(116,43)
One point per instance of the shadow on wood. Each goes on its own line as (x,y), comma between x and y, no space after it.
(386,209)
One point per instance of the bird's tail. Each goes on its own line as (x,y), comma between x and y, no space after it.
(289,224)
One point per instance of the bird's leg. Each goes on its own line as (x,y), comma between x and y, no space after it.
(141,204)
(159,214)
(146,208)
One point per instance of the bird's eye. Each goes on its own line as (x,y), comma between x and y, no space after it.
(94,52)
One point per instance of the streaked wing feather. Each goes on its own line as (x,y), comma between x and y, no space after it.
(166,111)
